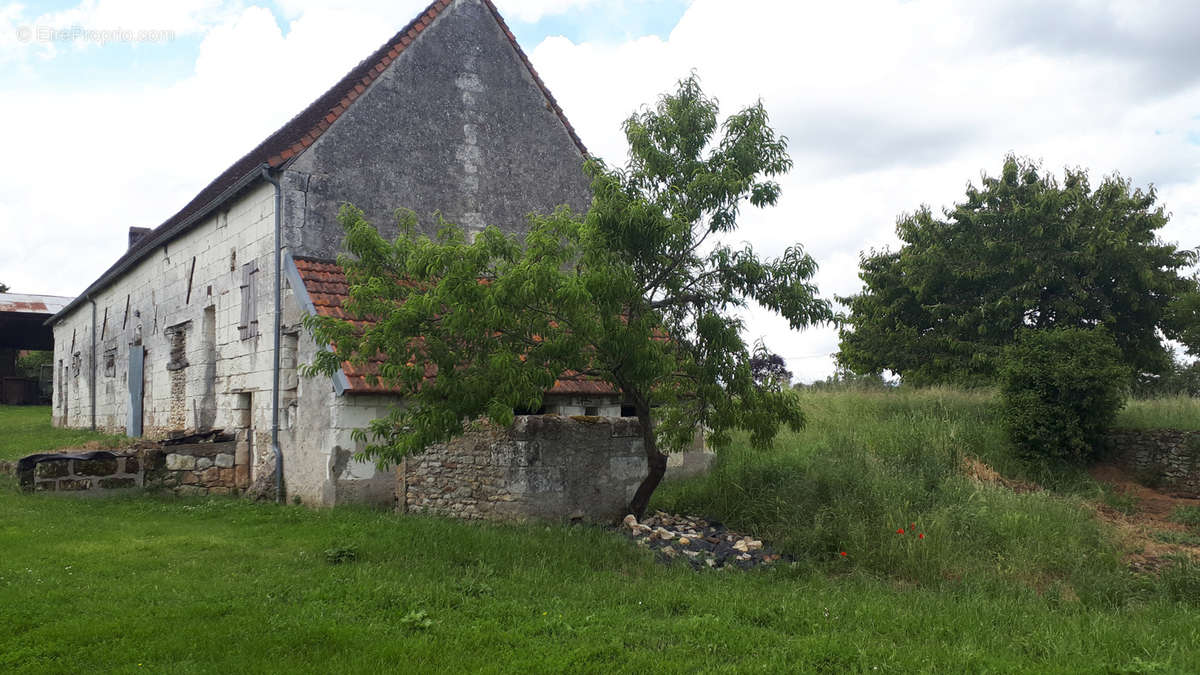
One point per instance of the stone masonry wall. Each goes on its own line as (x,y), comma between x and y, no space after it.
(1166,458)
(544,466)
(99,473)
(188,470)
(200,468)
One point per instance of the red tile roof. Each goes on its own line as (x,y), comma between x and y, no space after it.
(327,288)
(304,129)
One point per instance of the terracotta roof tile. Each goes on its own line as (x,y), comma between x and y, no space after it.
(327,288)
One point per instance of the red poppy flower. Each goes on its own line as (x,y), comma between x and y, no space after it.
(921,536)
(843,554)
(900,531)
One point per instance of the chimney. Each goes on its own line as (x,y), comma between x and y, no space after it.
(136,234)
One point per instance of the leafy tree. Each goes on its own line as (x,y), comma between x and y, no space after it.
(640,293)
(767,367)
(1020,252)
(30,363)
(1060,390)
(1182,378)
(3,288)
(1184,318)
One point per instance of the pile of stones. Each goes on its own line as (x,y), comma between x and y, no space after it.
(702,543)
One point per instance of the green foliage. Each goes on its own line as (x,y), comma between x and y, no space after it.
(1061,390)
(869,463)
(1183,315)
(640,293)
(1021,251)
(3,288)
(336,555)
(30,364)
(1187,515)
(1179,379)
(1177,538)
(417,620)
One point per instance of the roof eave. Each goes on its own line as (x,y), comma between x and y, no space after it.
(156,238)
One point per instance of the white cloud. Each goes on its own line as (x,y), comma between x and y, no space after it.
(887,105)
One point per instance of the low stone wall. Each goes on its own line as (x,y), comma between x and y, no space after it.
(1161,458)
(544,466)
(192,469)
(200,469)
(92,472)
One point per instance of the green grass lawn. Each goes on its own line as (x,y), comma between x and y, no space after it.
(25,429)
(1001,582)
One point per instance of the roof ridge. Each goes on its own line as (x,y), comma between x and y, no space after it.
(302,130)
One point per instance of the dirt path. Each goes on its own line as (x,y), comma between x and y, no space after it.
(1151,517)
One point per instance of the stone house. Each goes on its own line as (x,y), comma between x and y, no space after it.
(198,325)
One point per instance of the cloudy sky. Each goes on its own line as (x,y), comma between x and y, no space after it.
(887,104)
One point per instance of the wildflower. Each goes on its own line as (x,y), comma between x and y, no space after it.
(843,554)
(921,536)
(900,531)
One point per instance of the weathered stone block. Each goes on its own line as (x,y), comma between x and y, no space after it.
(46,486)
(74,484)
(177,462)
(241,474)
(191,491)
(227,477)
(96,467)
(118,483)
(53,468)
(203,463)
(131,465)
(210,476)
(224,461)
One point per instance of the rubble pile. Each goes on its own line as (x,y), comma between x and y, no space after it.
(702,543)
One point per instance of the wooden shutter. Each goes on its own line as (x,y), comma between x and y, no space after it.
(244,321)
(253,283)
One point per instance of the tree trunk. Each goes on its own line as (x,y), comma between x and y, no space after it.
(656,463)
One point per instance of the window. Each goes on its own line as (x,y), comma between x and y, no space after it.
(248,325)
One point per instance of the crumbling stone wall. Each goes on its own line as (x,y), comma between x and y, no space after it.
(1164,458)
(191,469)
(200,468)
(544,466)
(90,473)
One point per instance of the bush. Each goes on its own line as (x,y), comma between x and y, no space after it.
(30,364)
(1060,390)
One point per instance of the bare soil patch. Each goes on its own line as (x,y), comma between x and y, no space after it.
(1151,516)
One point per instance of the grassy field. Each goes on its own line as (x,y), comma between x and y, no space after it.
(26,429)
(1003,580)
(1173,412)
